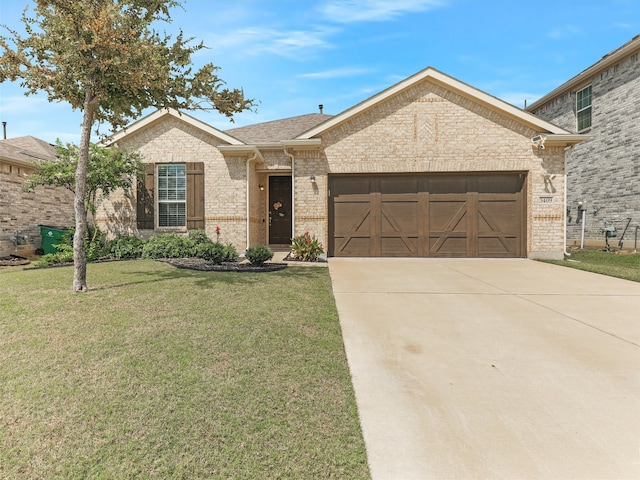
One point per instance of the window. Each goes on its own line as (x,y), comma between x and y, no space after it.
(583,108)
(172,195)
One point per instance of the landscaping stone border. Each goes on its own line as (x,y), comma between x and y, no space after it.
(206,266)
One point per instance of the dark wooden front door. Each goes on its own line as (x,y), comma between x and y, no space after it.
(280,210)
(422,215)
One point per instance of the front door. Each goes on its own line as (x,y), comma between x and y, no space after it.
(279,210)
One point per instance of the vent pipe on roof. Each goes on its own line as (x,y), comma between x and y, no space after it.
(321,107)
(4,130)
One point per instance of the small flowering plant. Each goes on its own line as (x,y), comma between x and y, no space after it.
(306,248)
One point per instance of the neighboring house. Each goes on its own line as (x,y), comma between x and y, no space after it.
(603,173)
(428,167)
(20,211)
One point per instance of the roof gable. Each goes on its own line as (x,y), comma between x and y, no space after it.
(170,112)
(606,62)
(450,83)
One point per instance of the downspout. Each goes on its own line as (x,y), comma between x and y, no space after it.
(564,236)
(293,192)
(249,160)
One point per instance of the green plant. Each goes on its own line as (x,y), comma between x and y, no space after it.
(198,236)
(229,388)
(258,255)
(306,248)
(55,258)
(124,247)
(625,266)
(94,248)
(168,245)
(210,251)
(230,254)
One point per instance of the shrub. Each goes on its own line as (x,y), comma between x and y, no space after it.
(61,256)
(216,253)
(124,246)
(230,254)
(198,237)
(93,247)
(168,245)
(306,248)
(210,251)
(258,255)
(94,244)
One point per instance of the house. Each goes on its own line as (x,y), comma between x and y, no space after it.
(603,173)
(428,167)
(20,211)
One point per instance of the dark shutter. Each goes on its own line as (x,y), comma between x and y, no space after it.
(145,198)
(195,195)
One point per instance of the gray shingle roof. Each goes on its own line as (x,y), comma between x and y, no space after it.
(277,130)
(27,149)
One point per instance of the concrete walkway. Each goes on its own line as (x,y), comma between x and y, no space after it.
(492,369)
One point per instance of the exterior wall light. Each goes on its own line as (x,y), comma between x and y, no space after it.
(261,187)
(312,178)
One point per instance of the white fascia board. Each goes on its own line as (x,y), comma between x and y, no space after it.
(564,140)
(156,116)
(241,150)
(449,83)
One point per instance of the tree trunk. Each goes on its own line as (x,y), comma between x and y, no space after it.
(79,203)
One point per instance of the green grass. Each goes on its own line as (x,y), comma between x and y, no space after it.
(165,373)
(606,263)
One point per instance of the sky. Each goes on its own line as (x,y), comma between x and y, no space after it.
(292,55)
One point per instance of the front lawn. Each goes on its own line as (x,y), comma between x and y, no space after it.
(164,373)
(625,266)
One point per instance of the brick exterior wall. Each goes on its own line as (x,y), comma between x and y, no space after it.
(425,128)
(173,141)
(603,171)
(22,211)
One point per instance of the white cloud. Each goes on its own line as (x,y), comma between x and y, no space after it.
(352,11)
(260,40)
(337,73)
(564,31)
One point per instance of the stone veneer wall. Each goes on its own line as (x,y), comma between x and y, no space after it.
(604,171)
(428,128)
(22,211)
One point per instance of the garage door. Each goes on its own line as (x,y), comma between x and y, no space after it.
(427,215)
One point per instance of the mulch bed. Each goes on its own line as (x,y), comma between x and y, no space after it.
(206,266)
(13,260)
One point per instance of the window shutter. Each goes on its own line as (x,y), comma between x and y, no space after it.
(145,198)
(195,195)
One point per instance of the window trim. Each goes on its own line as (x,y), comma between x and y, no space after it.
(588,108)
(159,201)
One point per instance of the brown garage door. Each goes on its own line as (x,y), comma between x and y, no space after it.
(434,215)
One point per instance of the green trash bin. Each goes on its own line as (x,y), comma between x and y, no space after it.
(50,236)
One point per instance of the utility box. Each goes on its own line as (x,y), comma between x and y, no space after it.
(50,236)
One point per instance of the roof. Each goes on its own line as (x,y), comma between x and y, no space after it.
(606,62)
(278,130)
(170,112)
(27,150)
(450,83)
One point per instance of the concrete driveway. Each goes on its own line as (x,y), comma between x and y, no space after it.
(492,369)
